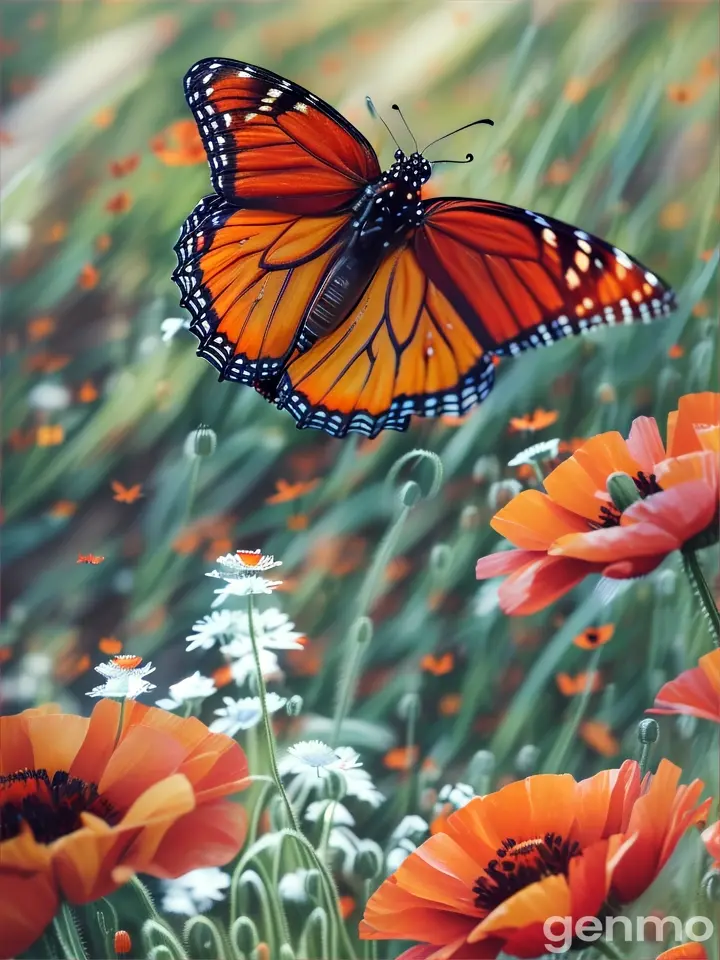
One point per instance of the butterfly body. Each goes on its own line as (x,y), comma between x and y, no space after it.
(341,294)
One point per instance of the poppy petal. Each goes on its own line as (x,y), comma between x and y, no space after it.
(645,443)
(504,561)
(538,584)
(223,825)
(532,521)
(695,692)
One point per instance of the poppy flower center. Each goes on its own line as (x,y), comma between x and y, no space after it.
(645,485)
(521,863)
(51,808)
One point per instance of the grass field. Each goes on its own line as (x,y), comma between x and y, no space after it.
(606,116)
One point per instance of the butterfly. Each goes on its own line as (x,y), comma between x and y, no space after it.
(89,558)
(124,494)
(341,295)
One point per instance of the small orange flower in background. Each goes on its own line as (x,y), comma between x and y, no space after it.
(89,277)
(57,232)
(674,215)
(675,352)
(89,558)
(695,692)
(110,646)
(449,704)
(103,118)
(87,392)
(541,847)
(593,637)
(103,242)
(286,492)
(86,803)
(125,165)
(599,737)
(576,89)
(119,202)
(576,529)
(570,686)
(437,666)
(124,494)
(49,435)
(40,327)
(62,509)
(347,906)
(401,758)
(297,522)
(179,145)
(534,421)
(47,362)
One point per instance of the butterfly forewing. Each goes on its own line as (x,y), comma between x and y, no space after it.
(272,144)
(523,280)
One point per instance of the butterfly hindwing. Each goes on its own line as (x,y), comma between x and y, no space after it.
(524,280)
(403,350)
(248,278)
(272,144)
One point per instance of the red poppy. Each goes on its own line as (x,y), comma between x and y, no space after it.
(537,848)
(87,803)
(576,529)
(695,692)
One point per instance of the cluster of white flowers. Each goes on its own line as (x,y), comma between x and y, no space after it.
(241,572)
(124,678)
(310,761)
(195,892)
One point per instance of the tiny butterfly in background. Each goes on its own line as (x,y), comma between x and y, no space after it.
(124,494)
(344,297)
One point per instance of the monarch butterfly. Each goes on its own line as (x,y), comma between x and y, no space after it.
(341,295)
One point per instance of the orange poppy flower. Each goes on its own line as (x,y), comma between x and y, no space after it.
(89,277)
(686,951)
(449,704)
(711,839)
(179,145)
(62,509)
(534,421)
(437,666)
(87,392)
(119,202)
(537,848)
(49,435)
(85,803)
(286,492)
(110,646)
(401,758)
(40,327)
(695,692)
(593,637)
(125,165)
(575,528)
(675,351)
(89,558)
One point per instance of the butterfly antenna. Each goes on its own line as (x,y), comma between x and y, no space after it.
(396,107)
(376,116)
(453,132)
(468,159)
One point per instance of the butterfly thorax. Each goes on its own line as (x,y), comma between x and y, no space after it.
(385,212)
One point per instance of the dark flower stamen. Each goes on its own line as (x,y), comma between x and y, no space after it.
(520,864)
(51,808)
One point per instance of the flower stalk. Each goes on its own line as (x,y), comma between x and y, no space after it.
(702,591)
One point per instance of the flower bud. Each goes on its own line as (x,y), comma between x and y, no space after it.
(526,759)
(313,885)
(440,557)
(486,469)
(368,860)
(286,952)
(362,631)
(200,443)
(622,490)
(294,706)
(408,705)
(711,886)
(244,935)
(469,518)
(501,493)
(648,730)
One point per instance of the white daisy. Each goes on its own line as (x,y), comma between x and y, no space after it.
(219,625)
(273,629)
(537,453)
(307,755)
(196,687)
(49,396)
(244,667)
(195,892)
(124,678)
(309,761)
(244,562)
(411,827)
(244,587)
(244,713)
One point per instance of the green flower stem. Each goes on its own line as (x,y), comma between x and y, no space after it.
(328,818)
(556,760)
(702,591)
(143,895)
(330,892)
(67,934)
(204,925)
(607,950)
(267,726)
(121,718)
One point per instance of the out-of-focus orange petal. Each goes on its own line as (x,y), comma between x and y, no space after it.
(695,692)
(701,465)
(686,951)
(538,584)
(711,839)
(694,410)
(617,543)
(28,902)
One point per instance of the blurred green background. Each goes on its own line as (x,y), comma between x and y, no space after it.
(606,115)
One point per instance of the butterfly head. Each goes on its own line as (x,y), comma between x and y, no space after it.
(413,169)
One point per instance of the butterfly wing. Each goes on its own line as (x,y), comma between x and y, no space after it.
(522,280)
(403,350)
(249,278)
(272,144)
